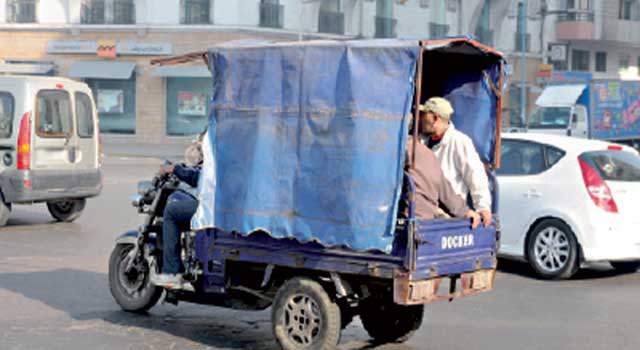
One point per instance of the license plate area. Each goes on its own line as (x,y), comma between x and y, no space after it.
(412,292)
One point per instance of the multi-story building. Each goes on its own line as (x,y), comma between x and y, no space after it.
(109,43)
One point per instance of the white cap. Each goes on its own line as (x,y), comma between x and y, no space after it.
(438,106)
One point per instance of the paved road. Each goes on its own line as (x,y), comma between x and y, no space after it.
(54,295)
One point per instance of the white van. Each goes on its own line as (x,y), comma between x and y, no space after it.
(49,145)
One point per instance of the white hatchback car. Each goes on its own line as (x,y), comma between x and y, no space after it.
(566,201)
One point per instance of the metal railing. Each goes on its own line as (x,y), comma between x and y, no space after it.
(437,30)
(571,15)
(92,12)
(331,22)
(385,27)
(21,11)
(124,12)
(271,15)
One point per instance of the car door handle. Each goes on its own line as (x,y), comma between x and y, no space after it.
(533,194)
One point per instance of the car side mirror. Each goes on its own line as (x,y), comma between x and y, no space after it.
(574,120)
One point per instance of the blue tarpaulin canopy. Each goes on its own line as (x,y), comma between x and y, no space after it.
(307,140)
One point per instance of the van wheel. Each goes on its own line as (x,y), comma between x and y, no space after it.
(5,211)
(552,250)
(387,322)
(66,210)
(303,316)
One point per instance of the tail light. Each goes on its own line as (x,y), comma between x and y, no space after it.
(597,188)
(614,148)
(24,142)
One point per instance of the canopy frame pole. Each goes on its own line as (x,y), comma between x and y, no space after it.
(496,157)
(416,110)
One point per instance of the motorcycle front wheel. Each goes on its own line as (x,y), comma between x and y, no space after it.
(132,289)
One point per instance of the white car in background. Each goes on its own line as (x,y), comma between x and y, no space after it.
(567,201)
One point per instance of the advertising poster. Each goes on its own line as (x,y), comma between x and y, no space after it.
(192,103)
(616,113)
(110,101)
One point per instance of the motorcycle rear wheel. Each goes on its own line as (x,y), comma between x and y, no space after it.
(132,290)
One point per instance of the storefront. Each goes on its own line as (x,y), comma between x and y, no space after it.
(188,92)
(114,89)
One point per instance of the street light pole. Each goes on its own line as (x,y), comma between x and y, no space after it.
(523,66)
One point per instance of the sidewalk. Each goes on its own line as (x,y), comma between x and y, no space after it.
(146,150)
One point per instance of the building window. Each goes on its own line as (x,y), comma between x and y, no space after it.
(625,59)
(577,10)
(601,61)
(116,104)
(330,17)
(629,10)
(187,105)
(271,14)
(437,30)
(195,12)
(107,12)
(483,31)
(580,60)
(21,11)
(384,21)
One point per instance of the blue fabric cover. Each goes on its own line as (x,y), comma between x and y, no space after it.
(309,140)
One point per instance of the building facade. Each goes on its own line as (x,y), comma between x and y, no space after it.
(109,44)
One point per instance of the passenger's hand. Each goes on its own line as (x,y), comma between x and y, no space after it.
(486,217)
(475,219)
(166,169)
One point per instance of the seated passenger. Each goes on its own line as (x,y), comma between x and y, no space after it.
(433,189)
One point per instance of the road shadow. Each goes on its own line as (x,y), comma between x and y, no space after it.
(84,296)
(592,272)
(22,216)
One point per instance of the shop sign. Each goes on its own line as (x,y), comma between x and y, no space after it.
(107,49)
(544,70)
(121,48)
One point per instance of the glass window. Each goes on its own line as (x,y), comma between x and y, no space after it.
(601,61)
(629,10)
(92,12)
(21,11)
(330,17)
(550,118)
(271,14)
(195,12)
(124,12)
(84,115)
(187,105)
(6,114)
(553,155)
(116,104)
(385,24)
(521,158)
(53,113)
(580,60)
(614,165)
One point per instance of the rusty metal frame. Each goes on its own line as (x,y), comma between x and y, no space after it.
(496,157)
(182,59)
(411,292)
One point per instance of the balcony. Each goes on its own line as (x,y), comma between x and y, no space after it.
(331,22)
(576,25)
(621,31)
(385,27)
(271,15)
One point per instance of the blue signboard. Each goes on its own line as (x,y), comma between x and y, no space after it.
(616,110)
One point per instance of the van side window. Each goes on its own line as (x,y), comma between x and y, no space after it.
(53,113)
(84,115)
(6,114)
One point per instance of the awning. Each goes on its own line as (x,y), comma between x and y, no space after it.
(560,95)
(102,69)
(25,68)
(181,72)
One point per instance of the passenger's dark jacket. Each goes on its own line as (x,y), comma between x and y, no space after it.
(189,175)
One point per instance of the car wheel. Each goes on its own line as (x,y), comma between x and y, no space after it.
(66,210)
(387,322)
(5,212)
(625,266)
(132,289)
(553,250)
(303,316)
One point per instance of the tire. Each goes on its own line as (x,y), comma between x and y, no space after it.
(5,212)
(66,210)
(387,322)
(552,250)
(295,301)
(625,266)
(134,291)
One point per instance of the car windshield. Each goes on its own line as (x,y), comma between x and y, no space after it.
(550,118)
(614,165)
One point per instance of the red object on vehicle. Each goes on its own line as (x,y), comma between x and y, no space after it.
(24,142)
(59,86)
(597,188)
(614,148)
